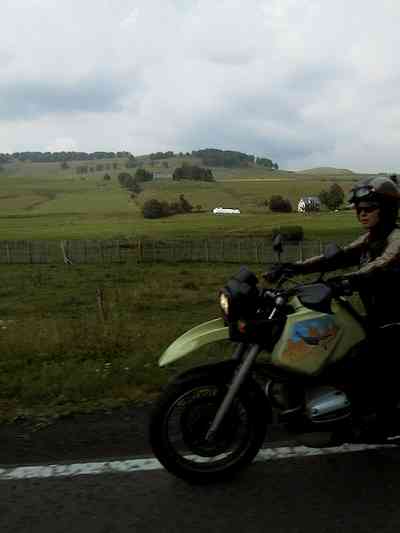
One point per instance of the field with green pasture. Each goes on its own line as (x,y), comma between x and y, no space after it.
(61,352)
(42,201)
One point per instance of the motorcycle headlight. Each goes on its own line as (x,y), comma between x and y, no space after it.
(224,303)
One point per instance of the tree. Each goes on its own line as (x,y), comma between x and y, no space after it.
(124,178)
(64,165)
(153,209)
(185,205)
(192,172)
(278,204)
(333,198)
(134,187)
(106,177)
(131,163)
(143,175)
(82,169)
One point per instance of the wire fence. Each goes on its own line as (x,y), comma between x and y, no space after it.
(233,250)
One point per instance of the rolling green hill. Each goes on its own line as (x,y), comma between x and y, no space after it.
(327,171)
(43,200)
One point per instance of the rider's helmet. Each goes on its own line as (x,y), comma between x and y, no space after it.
(382,191)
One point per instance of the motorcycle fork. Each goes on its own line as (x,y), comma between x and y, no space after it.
(239,351)
(238,378)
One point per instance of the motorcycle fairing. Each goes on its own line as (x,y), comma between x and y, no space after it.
(211,331)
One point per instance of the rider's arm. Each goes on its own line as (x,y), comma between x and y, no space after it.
(349,256)
(390,258)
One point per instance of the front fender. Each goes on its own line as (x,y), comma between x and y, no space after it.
(212,331)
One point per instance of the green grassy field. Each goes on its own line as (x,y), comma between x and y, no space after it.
(60,351)
(42,201)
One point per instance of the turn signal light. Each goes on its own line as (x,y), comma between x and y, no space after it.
(242,326)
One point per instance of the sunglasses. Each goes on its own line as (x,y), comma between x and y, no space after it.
(366,209)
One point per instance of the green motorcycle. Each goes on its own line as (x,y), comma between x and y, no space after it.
(292,345)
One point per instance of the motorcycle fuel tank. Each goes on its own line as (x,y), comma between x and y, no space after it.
(312,339)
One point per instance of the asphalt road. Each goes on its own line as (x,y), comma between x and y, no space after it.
(354,492)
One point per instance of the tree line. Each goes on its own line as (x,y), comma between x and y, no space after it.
(58,157)
(213,157)
(210,157)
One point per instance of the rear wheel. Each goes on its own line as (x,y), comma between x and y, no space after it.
(183,416)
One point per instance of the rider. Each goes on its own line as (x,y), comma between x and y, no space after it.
(376,253)
(377,280)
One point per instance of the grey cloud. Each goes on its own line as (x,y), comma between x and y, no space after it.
(32,99)
(235,133)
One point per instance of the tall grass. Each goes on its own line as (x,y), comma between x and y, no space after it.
(61,349)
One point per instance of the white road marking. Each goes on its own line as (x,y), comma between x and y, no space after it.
(140,465)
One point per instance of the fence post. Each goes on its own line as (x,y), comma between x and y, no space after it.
(100,304)
(300,251)
(101,251)
(256,250)
(8,253)
(29,251)
(140,251)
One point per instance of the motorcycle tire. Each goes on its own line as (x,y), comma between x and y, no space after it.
(193,401)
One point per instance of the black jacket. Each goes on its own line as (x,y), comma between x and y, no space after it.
(377,255)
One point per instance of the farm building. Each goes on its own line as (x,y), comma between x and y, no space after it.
(309,203)
(225,211)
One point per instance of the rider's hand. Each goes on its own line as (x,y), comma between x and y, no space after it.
(281,269)
(341,286)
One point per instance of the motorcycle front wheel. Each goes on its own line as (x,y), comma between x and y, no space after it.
(182,417)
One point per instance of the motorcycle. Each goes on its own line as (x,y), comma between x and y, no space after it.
(289,366)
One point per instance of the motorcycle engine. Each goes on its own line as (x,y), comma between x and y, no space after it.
(326,404)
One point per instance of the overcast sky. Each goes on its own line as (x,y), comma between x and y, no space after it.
(304,82)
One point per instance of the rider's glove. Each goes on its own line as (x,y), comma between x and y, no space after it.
(282,269)
(341,286)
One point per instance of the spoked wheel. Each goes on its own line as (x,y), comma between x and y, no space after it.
(184,414)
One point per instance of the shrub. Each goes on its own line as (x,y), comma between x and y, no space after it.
(153,209)
(289,233)
(278,204)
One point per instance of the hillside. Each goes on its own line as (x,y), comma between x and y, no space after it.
(328,171)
